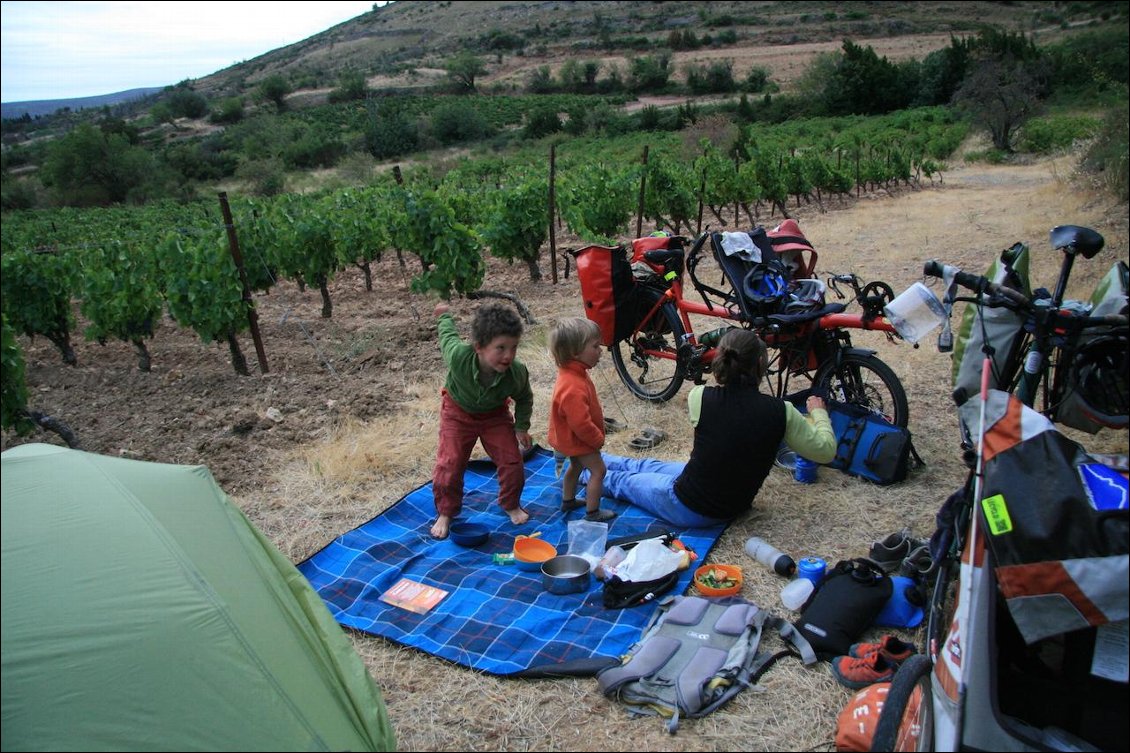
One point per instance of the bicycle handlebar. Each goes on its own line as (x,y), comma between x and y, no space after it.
(976,283)
(1014,298)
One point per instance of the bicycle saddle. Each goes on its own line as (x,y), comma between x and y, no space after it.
(671,259)
(1080,240)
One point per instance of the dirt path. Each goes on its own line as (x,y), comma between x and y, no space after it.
(344,424)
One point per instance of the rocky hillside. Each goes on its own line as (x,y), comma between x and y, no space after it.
(405,43)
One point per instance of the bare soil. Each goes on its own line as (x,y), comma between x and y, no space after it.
(343,424)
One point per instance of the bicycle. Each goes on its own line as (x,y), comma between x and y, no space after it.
(663,348)
(1063,356)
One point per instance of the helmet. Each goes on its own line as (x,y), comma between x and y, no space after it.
(763,285)
(855,726)
(1100,377)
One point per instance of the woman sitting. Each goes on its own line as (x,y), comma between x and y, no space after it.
(737,434)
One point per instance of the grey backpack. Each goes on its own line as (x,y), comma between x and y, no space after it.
(695,655)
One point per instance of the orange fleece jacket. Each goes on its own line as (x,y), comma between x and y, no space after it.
(576,421)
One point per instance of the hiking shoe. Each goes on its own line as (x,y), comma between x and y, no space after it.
(892,649)
(917,564)
(568,505)
(867,670)
(599,516)
(891,551)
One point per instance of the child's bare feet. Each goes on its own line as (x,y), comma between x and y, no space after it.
(440,527)
(518,516)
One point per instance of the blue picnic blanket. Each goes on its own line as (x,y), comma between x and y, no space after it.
(496,618)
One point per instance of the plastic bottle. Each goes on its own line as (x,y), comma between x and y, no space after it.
(770,556)
(805,470)
(711,338)
(796,592)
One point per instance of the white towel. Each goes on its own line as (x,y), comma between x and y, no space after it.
(740,245)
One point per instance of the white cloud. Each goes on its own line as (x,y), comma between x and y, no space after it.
(55,50)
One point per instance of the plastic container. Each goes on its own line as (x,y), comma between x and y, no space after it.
(915,312)
(812,569)
(805,470)
(796,592)
(469,534)
(770,556)
(530,553)
(731,571)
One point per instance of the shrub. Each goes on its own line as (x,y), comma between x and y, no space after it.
(228,111)
(1044,135)
(1108,155)
(541,122)
(456,122)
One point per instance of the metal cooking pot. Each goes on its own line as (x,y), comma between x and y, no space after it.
(565,574)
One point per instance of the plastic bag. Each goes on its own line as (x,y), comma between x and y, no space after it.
(649,560)
(587,539)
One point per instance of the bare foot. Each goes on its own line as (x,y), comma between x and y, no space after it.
(518,516)
(439,528)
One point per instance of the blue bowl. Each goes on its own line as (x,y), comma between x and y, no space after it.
(469,534)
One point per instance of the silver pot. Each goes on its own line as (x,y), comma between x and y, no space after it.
(565,574)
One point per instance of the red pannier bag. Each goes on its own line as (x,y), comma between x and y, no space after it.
(606,286)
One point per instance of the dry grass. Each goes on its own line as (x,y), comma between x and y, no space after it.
(356,470)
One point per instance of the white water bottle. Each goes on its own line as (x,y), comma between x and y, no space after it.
(770,556)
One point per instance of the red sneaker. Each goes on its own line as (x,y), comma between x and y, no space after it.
(892,649)
(859,673)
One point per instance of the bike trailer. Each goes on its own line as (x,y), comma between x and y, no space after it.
(1033,655)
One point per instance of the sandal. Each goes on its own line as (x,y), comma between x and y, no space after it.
(611,425)
(642,443)
(648,438)
(599,516)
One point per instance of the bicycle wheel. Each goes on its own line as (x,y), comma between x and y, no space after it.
(647,360)
(907,719)
(864,380)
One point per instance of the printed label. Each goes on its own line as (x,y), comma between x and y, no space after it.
(996,514)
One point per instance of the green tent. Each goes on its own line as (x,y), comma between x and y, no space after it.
(143,611)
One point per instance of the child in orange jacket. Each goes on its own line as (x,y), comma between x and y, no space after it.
(576,421)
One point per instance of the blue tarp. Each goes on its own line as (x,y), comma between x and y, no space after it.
(496,618)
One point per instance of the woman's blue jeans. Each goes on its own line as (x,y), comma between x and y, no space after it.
(650,485)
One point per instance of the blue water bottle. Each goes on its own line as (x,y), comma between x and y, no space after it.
(805,470)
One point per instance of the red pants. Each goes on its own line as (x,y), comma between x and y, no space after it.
(458,431)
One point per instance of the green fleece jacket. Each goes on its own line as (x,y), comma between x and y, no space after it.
(463,385)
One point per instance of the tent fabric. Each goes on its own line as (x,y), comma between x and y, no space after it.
(496,618)
(143,611)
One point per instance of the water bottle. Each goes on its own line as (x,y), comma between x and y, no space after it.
(711,338)
(770,556)
(805,470)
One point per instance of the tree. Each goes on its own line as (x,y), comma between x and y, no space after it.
(89,167)
(1000,95)
(463,69)
(275,88)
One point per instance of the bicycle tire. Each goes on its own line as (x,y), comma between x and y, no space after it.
(847,382)
(650,377)
(908,712)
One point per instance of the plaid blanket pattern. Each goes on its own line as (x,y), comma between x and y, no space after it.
(496,618)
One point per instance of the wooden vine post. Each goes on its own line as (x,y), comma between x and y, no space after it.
(552,214)
(252,314)
(643,189)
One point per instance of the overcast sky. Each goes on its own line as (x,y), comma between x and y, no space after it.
(61,50)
